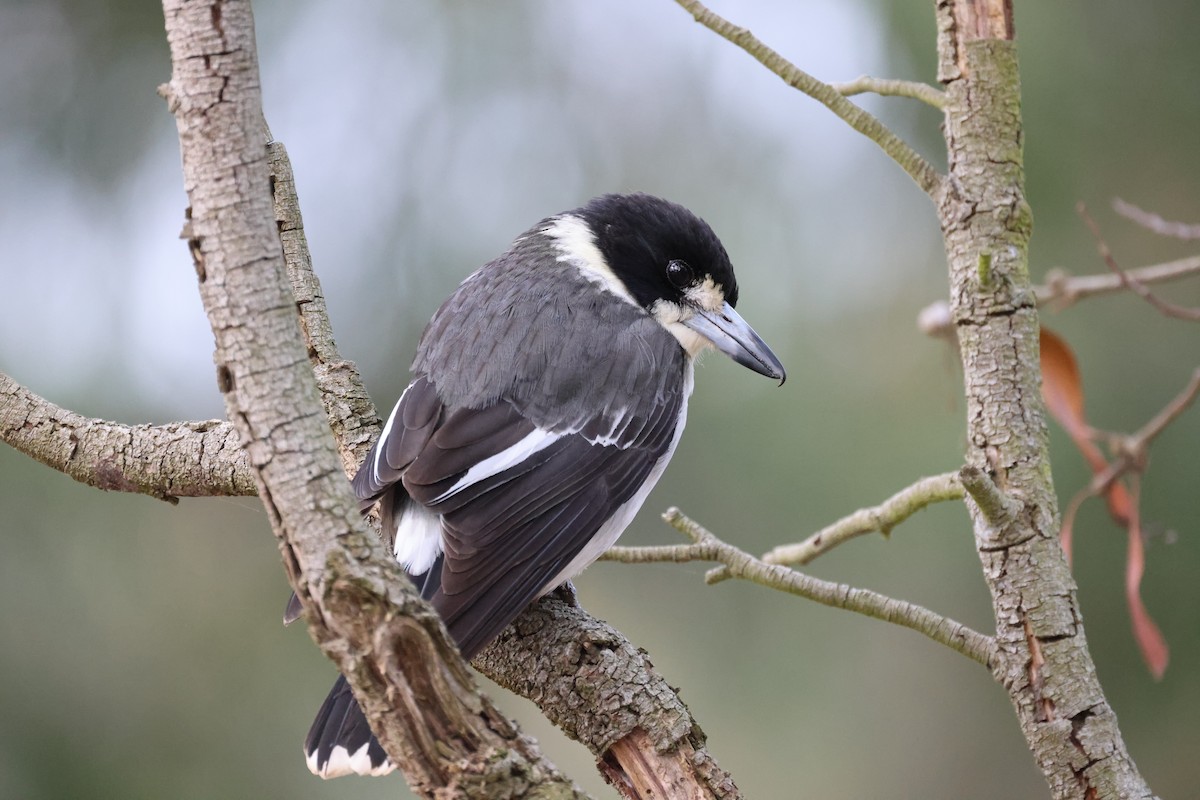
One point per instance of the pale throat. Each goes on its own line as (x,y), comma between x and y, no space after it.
(707,295)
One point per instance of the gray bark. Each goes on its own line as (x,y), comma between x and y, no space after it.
(1043,662)
(180,459)
(416,691)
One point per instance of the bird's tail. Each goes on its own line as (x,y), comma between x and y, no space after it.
(340,742)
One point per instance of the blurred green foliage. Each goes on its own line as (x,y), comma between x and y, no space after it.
(142,652)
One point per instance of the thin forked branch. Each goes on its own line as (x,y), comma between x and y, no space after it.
(705,546)
(1062,290)
(882,518)
(1131,282)
(920,170)
(1133,450)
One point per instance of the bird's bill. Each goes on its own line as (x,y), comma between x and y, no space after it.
(734,337)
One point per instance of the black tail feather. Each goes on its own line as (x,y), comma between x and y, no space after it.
(340,742)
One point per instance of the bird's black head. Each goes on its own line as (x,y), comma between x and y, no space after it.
(658,249)
(667,260)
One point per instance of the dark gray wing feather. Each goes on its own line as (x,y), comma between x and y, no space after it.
(413,421)
(507,537)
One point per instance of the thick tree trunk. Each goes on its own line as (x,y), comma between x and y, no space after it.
(422,701)
(1044,662)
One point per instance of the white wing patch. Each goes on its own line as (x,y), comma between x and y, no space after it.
(577,246)
(534,442)
(342,762)
(613,437)
(418,538)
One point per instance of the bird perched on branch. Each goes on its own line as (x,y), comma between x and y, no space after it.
(548,395)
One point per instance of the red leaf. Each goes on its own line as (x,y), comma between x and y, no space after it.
(1062,388)
(1149,638)
(1120,507)
(1067,528)
(1062,391)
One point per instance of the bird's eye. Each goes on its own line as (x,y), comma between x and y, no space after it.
(680,274)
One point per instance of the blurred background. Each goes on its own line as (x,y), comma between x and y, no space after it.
(142,654)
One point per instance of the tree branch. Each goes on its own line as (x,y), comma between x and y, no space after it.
(602,690)
(1130,282)
(1154,223)
(882,518)
(707,547)
(180,459)
(1170,412)
(403,668)
(920,170)
(998,510)
(1062,290)
(1133,450)
(887,87)
(352,415)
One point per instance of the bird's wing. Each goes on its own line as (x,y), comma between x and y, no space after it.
(519,502)
(525,441)
(407,431)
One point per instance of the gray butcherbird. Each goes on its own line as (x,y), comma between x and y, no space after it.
(549,393)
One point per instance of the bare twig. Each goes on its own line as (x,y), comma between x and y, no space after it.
(1171,411)
(1132,457)
(180,459)
(995,506)
(1133,449)
(707,547)
(882,518)
(920,170)
(1167,308)
(886,87)
(1154,223)
(1062,290)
